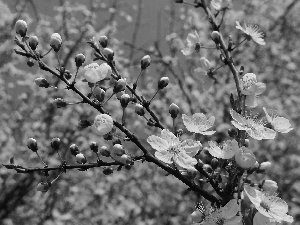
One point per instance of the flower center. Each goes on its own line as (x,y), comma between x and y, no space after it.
(197,47)
(174,149)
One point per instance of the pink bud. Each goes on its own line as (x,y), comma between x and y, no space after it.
(55,42)
(120,85)
(125,98)
(33,42)
(245,158)
(43,186)
(104,151)
(270,186)
(32,144)
(80,158)
(108,53)
(125,159)
(163,82)
(41,82)
(55,143)
(21,28)
(145,62)
(173,110)
(99,94)
(215,35)
(118,150)
(59,103)
(103,41)
(139,109)
(79,59)
(74,149)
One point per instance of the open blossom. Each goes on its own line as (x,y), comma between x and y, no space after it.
(198,123)
(205,82)
(219,4)
(103,123)
(252,32)
(227,151)
(255,128)
(170,149)
(279,124)
(94,73)
(268,205)
(225,215)
(192,43)
(251,88)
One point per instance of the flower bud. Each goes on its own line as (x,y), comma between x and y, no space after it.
(208,168)
(55,42)
(74,149)
(205,63)
(103,123)
(118,150)
(80,158)
(270,186)
(21,28)
(104,151)
(32,144)
(103,41)
(265,165)
(59,103)
(214,163)
(108,170)
(33,42)
(94,146)
(197,216)
(145,62)
(173,110)
(139,109)
(55,142)
(120,85)
(43,186)
(245,158)
(67,74)
(108,53)
(125,98)
(79,59)
(41,82)
(215,35)
(125,159)
(119,94)
(30,62)
(163,82)
(99,94)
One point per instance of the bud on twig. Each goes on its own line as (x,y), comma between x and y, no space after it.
(108,53)
(145,62)
(80,158)
(173,110)
(30,62)
(41,82)
(163,82)
(108,171)
(59,103)
(55,42)
(79,59)
(120,85)
(33,42)
(103,41)
(139,109)
(205,63)
(67,74)
(94,147)
(55,143)
(32,144)
(74,149)
(118,150)
(21,28)
(215,35)
(125,98)
(99,94)
(104,151)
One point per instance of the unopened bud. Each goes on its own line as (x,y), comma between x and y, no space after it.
(41,82)
(125,99)
(79,59)
(118,150)
(245,158)
(207,168)
(108,170)
(74,149)
(163,82)
(269,186)
(33,42)
(108,53)
(205,63)
(103,41)
(139,109)
(67,74)
(80,158)
(99,94)
(43,186)
(55,42)
(173,110)
(120,85)
(59,103)
(145,62)
(215,35)
(55,142)
(32,144)
(264,166)
(125,159)
(104,151)
(214,163)
(197,216)
(30,62)
(94,147)
(21,28)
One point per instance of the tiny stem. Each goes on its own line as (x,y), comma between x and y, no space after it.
(42,56)
(74,103)
(123,116)
(174,127)
(207,47)
(239,44)
(109,97)
(219,67)
(153,96)
(59,156)
(98,157)
(56,177)
(41,159)
(57,57)
(74,81)
(137,79)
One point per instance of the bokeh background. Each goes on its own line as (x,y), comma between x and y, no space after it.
(142,195)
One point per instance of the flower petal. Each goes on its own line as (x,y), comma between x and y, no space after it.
(188,123)
(169,137)
(230,209)
(238,118)
(260,219)
(282,125)
(260,88)
(191,147)
(251,101)
(208,132)
(253,194)
(164,156)
(238,26)
(158,143)
(184,160)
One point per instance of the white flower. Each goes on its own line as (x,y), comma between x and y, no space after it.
(219,4)
(198,123)
(251,88)
(94,73)
(192,43)
(170,149)
(205,82)
(255,128)
(279,124)
(228,150)
(103,123)
(252,32)
(269,205)
(225,215)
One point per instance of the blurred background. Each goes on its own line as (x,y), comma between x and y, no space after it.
(142,195)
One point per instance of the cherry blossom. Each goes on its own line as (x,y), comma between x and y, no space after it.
(94,73)
(252,32)
(227,151)
(192,43)
(103,123)
(198,123)
(205,82)
(279,124)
